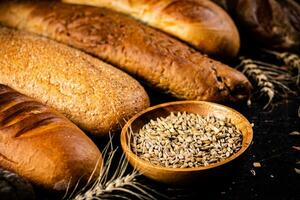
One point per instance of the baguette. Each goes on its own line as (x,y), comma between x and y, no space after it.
(94,95)
(150,55)
(200,23)
(43,146)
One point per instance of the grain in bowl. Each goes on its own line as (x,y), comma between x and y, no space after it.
(186,140)
(186,175)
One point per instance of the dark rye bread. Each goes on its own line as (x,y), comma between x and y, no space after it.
(43,146)
(161,61)
(94,95)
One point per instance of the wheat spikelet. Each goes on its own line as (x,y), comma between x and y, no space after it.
(271,80)
(289,59)
(252,71)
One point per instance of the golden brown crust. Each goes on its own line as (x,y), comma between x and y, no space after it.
(42,145)
(154,57)
(211,30)
(201,23)
(94,95)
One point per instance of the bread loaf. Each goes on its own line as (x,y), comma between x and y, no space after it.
(94,95)
(43,146)
(201,23)
(159,60)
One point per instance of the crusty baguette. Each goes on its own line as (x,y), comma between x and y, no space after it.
(150,55)
(94,95)
(43,146)
(201,23)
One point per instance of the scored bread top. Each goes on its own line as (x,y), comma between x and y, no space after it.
(20,115)
(43,146)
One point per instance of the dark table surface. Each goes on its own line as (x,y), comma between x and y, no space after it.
(272,147)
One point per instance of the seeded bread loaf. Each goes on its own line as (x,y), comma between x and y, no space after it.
(201,23)
(94,95)
(43,146)
(152,56)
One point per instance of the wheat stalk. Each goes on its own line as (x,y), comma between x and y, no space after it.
(251,70)
(269,78)
(289,59)
(113,186)
(110,187)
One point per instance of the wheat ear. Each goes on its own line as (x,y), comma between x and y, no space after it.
(252,71)
(118,185)
(289,59)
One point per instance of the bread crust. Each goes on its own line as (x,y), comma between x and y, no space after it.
(92,94)
(159,60)
(201,23)
(43,146)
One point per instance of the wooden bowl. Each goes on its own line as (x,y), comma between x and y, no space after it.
(183,175)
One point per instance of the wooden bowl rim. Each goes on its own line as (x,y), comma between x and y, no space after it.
(138,161)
